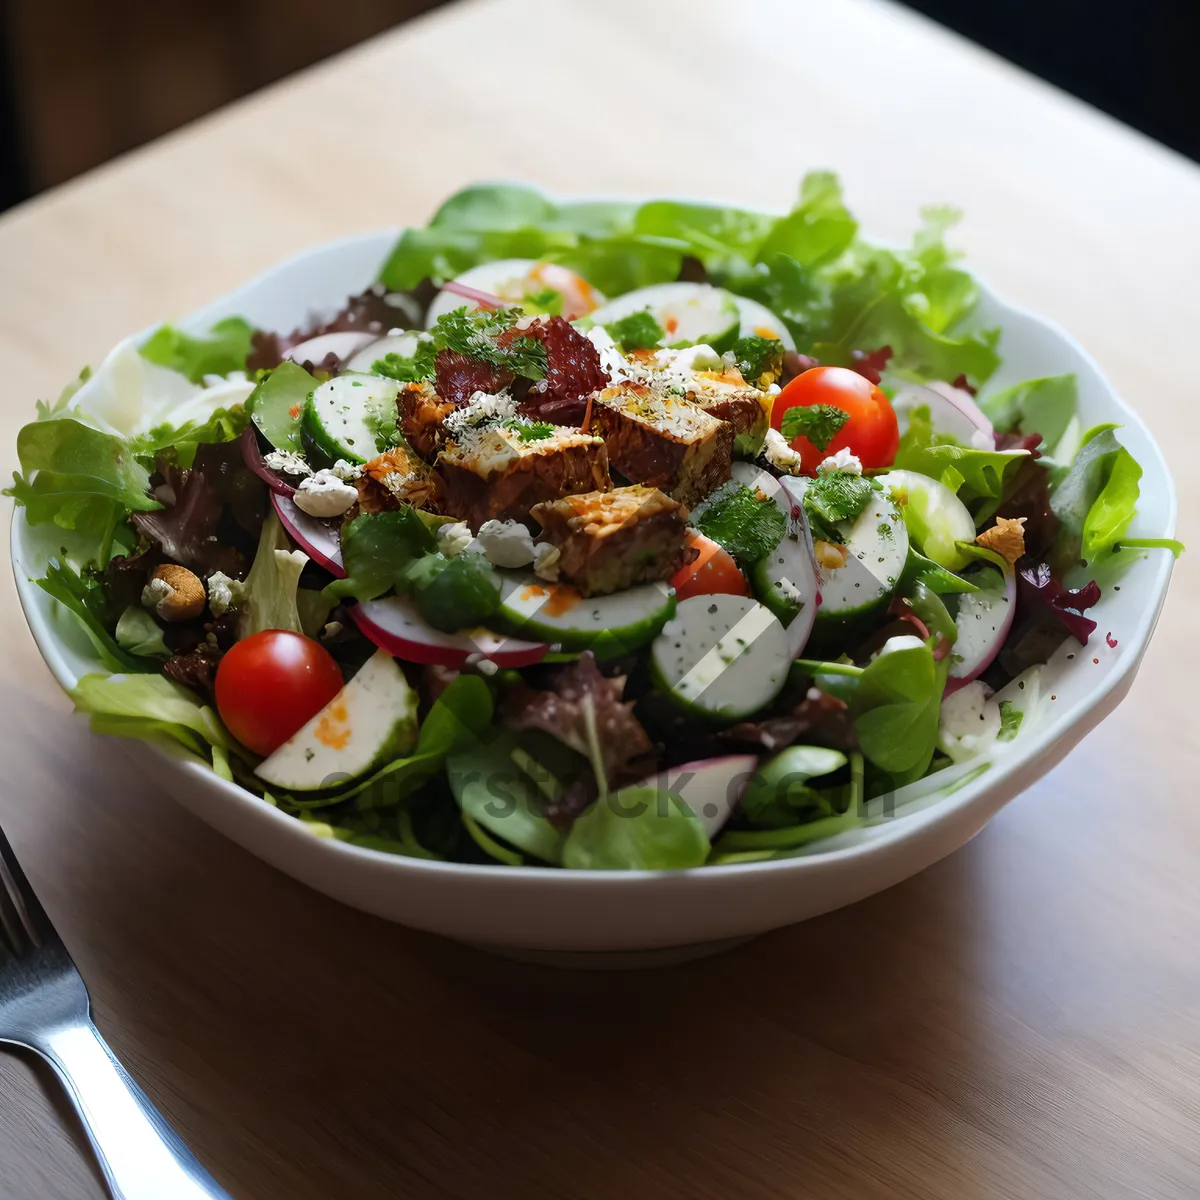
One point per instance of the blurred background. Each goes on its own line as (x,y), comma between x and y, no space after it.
(85,80)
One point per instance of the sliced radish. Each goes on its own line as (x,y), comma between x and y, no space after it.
(315,350)
(317,538)
(984,620)
(711,787)
(403,344)
(252,457)
(511,281)
(395,625)
(952,410)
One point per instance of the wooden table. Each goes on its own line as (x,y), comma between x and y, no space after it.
(1020,1021)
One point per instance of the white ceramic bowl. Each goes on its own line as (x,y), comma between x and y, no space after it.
(530,909)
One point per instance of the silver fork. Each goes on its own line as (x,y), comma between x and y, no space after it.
(44,1007)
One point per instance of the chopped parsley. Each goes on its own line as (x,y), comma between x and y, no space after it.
(832,497)
(476,334)
(820,423)
(886,531)
(638,331)
(406,368)
(531,431)
(744,522)
(1010,721)
(758,356)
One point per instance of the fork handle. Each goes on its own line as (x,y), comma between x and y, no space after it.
(141,1156)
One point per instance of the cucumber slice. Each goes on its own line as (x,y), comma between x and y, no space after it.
(758,320)
(404,344)
(935,516)
(876,551)
(722,657)
(691,313)
(556,613)
(343,417)
(373,718)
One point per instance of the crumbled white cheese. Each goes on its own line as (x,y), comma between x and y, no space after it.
(674,370)
(324,495)
(454,538)
(487,667)
(506,543)
(347,472)
(969,721)
(287,462)
(774,389)
(224,593)
(612,362)
(777,451)
(843,460)
(483,407)
(545,561)
(156,593)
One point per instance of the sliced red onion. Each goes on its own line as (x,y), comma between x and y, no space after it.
(395,625)
(315,537)
(710,786)
(252,456)
(984,621)
(482,299)
(952,410)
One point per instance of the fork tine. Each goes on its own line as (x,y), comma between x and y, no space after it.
(27,913)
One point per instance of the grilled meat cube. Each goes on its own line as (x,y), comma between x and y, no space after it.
(422,418)
(663,441)
(492,474)
(396,477)
(725,395)
(608,541)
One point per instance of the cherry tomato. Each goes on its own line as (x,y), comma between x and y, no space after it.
(871,433)
(272,683)
(712,572)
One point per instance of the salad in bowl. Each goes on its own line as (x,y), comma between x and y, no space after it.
(590,535)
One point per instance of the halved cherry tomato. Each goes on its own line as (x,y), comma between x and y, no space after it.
(710,573)
(271,683)
(871,433)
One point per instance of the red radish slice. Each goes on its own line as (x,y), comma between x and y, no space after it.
(395,625)
(806,578)
(482,299)
(984,620)
(314,536)
(252,457)
(710,786)
(317,349)
(952,410)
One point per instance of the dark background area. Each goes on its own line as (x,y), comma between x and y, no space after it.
(84,80)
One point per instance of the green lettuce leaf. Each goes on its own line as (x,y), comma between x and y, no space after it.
(82,593)
(225,349)
(973,474)
(636,829)
(818,229)
(150,707)
(1046,406)
(139,633)
(267,598)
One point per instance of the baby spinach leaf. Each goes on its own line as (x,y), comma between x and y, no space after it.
(494,206)
(919,569)
(636,829)
(779,792)
(377,551)
(896,706)
(637,331)
(454,593)
(820,423)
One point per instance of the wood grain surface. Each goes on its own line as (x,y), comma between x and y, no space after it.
(1020,1021)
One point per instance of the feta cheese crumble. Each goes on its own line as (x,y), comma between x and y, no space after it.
(324,495)
(506,543)
(843,460)
(347,472)
(780,454)
(453,539)
(223,593)
(287,462)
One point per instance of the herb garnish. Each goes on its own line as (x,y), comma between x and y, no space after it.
(820,423)
(637,331)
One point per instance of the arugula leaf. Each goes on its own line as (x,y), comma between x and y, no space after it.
(896,706)
(779,792)
(1010,721)
(636,829)
(820,423)
(82,594)
(377,550)
(832,497)
(277,402)
(454,593)
(637,331)
(748,525)
(225,349)
(150,707)
(758,356)
(1044,406)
